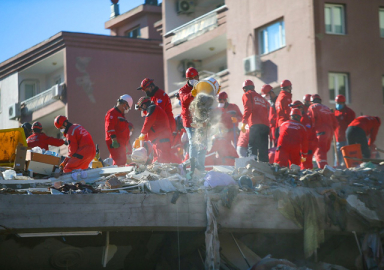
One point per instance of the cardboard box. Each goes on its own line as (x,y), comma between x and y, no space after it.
(21,152)
(42,164)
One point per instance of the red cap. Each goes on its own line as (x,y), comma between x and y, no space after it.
(296,104)
(248,83)
(223,95)
(340,99)
(145,83)
(315,96)
(285,83)
(296,112)
(265,89)
(307,97)
(191,73)
(59,121)
(37,125)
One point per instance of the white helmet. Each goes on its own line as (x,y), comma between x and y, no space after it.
(128,99)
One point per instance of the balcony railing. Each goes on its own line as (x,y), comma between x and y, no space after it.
(43,99)
(196,27)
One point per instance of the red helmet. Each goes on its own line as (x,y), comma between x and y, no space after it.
(307,97)
(315,96)
(223,95)
(296,104)
(37,125)
(191,73)
(59,121)
(340,99)
(265,89)
(142,100)
(296,112)
(285,83)
(248,83)
(145,83)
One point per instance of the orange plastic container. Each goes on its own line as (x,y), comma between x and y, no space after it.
(353,150)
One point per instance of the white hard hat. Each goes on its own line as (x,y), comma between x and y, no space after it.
(128,99)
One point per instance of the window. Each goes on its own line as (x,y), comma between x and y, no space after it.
(134,33)
(272,37)
(381,15)
(30,90)
(334,19)
(338,85)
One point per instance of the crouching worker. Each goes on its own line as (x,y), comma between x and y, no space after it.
(293,139)
(156,129)
(40,139)
(81,149)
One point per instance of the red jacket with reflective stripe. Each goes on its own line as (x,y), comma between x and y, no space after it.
(293,135)
(256,109)
(43,141)
(186,98)
(344,117)
(161,99)
(116,126)
(156,124)
(369,124)
(282,108)
(322,118)
(80,141)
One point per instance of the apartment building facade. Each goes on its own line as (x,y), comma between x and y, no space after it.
(325,47)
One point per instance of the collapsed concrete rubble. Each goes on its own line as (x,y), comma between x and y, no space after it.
(314,200)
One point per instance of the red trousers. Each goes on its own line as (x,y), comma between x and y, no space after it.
(118,155)
(163,152)
(288,155)
(76,163)
(324,144)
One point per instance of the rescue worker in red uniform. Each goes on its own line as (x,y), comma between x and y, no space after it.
(358,131)
(156,129)
(81,149)
(282,104)
(117,131)
(196,154)
(268,94)
(159,98)
(292,142)
(311,132)
(307,102)
(344,116)
(256,110)
(325,123)
(40,139)
(233,117)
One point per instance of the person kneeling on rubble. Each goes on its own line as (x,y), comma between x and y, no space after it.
(81,149)
(156,129)
(40,139)
(293,139)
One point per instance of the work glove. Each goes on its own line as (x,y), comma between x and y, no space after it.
(194,92)
(234,120)
(303,159)
(243,128)
(115,144)
(142,137)
(136,144)
(62,164)
(66,142)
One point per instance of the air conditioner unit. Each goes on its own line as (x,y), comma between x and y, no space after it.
(252,65)
(185,6)
(14,111)
(187,63)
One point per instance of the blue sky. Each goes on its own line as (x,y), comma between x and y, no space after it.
(25,23)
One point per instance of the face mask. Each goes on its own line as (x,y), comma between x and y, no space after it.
(130,133)
(62,130)
(193,82)
(142,114)
(267,97)
(220,105)
(339,107)
(127,110)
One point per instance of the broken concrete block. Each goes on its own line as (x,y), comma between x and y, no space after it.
(295,168)
(262,167)
(328,171)
(113,182)
(242,162)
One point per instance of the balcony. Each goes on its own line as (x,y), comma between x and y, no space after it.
(197,27)
(43,99)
